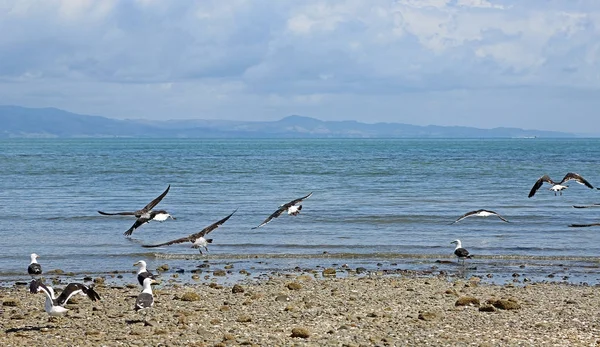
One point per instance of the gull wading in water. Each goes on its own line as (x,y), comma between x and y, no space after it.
(460,252)
(292,208)
(480,213)
(198,241)
(145,215)
(54,306)
(559,187)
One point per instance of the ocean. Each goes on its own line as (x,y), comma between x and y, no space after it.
(382,204)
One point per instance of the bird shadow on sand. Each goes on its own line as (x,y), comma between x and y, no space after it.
(29,328)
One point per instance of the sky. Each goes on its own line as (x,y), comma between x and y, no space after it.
(531,64)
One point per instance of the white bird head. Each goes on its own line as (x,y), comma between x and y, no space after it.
(34,257)
(142,265)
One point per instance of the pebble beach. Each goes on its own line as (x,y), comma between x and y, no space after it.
(313,308)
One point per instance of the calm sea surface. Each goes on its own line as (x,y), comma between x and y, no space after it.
(377,203)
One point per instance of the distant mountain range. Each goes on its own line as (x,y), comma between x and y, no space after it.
(16,121)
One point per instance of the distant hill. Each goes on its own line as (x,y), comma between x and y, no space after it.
(16,121)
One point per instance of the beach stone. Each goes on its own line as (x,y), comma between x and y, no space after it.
(487,308)
(304,278)
(302,333)
(467,301)
(219,273)
(428,315)
(195,277)
(244,319)
(505,304)
(11,302)
(294,286)
(99,281)
(282,298)
(55,272)
(329,272)
(190,296)
(163,268)
(215,321)
(228,266)
(237,289)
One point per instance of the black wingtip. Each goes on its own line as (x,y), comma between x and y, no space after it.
(209,240)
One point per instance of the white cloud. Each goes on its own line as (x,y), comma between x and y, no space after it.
(288,55)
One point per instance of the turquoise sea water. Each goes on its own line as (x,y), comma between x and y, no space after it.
(377,203)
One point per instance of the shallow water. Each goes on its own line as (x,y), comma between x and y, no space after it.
(377,203)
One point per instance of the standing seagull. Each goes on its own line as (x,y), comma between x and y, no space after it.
(146,214)
(460,252)
(198,241)
(145,300)
(558,187)
(142,272)
(480,213)
(34,268)
(54,306)
(290,207)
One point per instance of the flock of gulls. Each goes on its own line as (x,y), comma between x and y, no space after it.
(54,305)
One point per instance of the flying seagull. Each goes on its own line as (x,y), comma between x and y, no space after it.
(480,213)
(159,215)
(142,272)
(586,206)
(559,187)
(584,225)
(34,267)
(198,241)
(54,306)
(460,252)
(291,207)
(146,214)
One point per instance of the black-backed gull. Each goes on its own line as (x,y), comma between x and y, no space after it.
(480,213)
(292,208)
(198,241)
(54,306)
(559,187)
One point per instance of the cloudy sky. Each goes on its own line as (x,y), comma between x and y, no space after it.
(483,63)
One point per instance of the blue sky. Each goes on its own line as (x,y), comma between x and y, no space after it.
(482,63)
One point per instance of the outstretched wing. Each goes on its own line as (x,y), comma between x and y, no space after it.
(466,215)
(138,222)
(76,288)
(573,176)
(155,202)
(584,225)
(294,202)
(539,183)
(193,237)
(117,213)
(499,216)
(273,215)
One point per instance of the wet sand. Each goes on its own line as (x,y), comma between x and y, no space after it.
(309,309)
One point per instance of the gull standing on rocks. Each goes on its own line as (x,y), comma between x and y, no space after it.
(460,252)
(143,272)
(34,267)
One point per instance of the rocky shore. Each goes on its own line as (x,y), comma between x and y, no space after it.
(310,309)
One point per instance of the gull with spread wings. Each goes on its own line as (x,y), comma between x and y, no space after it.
(480,213)
(198,241)
(559,187)
(292,208)
(146,214)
